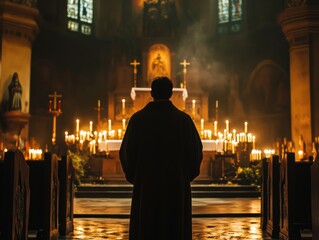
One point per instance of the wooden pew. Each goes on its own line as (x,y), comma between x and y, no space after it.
(15,196)
(66,197)
(315,198)
(44,204)
(264,190)
(272,199)
(295,197)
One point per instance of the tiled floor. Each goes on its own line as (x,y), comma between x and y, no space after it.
(109,218)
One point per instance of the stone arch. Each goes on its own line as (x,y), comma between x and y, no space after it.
(268,88)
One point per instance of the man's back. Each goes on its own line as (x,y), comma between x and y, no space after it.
(161,154)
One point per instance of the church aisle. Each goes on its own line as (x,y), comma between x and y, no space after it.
(203,228)
(213,218)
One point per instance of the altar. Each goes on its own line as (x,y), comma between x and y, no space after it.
(142,96)
(107,164)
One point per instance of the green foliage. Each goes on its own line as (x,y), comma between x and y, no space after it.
(79,161)
(249,175)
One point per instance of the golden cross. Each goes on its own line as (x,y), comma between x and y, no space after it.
(185,64)
(135,64)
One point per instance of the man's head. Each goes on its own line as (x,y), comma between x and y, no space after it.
(162,88)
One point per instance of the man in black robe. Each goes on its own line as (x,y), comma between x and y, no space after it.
(161,154)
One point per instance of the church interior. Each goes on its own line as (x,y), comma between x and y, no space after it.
(73,72)
(231,63)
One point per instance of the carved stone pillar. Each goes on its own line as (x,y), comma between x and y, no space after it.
(18,29)
(300,24)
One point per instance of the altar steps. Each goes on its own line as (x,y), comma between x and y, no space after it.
(198,191)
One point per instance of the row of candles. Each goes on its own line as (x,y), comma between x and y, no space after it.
(94,137)
(226,141)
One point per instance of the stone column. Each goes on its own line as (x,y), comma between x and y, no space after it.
(300,24)
(18,29)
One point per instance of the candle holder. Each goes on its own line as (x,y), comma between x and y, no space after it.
(55,111)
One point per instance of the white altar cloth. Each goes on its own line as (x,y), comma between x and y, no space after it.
(114,145)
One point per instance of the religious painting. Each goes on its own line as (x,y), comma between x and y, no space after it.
(159,62)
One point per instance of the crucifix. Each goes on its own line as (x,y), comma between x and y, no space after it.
(184,64)
(135,64)
(98,109)
(55,110)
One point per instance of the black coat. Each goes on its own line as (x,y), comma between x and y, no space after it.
(161,154)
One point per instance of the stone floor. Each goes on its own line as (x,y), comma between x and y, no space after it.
(217,218)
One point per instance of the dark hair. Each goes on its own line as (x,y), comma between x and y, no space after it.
(162,88)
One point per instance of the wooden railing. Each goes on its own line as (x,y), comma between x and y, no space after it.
(295,197)
(315,198)
(44,205)
(66,177)
(15,196)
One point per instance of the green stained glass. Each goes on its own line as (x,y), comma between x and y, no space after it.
(73,9)
(73,26)
(86,29)
(236,10)
(86,11)
(80,14)
(223,11)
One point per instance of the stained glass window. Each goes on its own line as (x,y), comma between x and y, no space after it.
(223,11)
(229,10)
(80,16)
(230,14)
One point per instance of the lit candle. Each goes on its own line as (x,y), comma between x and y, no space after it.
(109,126)
(123,123)
(66,136)
(59,106)
(77,126)
(202,124)
(216,104)
(123,106)
(91,127)
(227,126)
(246,127)
(119,133)
(98,103)
(193,106)
(50,105)
(215,128)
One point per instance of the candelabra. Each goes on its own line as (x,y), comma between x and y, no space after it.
(55,110)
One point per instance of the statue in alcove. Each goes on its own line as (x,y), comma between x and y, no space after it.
(158,66)
(15,93)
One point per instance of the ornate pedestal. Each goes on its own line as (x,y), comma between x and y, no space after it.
(14,122)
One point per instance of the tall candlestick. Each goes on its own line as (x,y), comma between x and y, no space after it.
(123,107)
(216,110)
(215,128)
(123,124)
(193,107)
(227,126)
(109,126)
(91,127)
(77,126)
